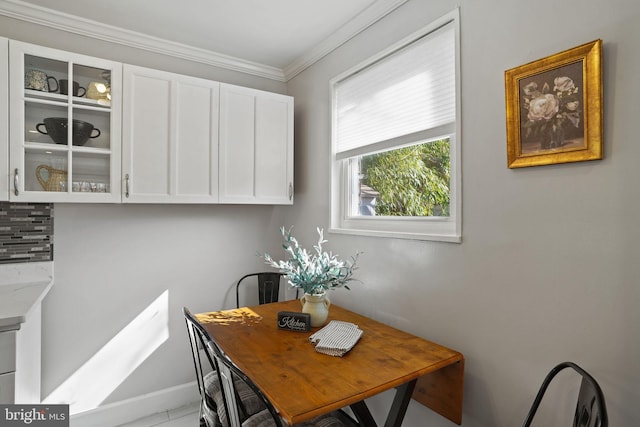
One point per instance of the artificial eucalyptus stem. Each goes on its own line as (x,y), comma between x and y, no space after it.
(314,272)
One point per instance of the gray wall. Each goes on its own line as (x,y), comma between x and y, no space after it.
(547,270)
(112,262)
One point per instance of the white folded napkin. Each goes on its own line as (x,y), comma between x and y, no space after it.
(336,338)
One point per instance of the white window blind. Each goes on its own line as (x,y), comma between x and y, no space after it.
(407,92)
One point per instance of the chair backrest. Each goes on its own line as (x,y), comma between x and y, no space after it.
(225,404)
(197,340)
(239,401)
(590,411)
(268,286)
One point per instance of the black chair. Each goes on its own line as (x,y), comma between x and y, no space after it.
(212,410)
(268,286)
(233,380)
(206,374)
(590,409)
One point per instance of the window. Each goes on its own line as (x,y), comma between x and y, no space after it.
(395,156)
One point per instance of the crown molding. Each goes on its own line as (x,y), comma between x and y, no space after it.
(85,27)
(361,22)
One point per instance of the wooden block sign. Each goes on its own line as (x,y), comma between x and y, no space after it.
(293,321)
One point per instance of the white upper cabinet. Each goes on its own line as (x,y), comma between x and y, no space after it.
(170,138)
(75,128)
(4,119)
(64,126)
(256,146)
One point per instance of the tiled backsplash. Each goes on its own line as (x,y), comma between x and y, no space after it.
(26,232)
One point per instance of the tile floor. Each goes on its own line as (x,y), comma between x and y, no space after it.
(186,416)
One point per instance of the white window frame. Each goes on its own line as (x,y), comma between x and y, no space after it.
(445,229)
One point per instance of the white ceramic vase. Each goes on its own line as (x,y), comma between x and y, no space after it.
(317,306)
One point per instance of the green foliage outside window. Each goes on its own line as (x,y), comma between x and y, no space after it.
(411,181)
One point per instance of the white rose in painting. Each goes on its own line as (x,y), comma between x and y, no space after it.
(544,107)
(563,84)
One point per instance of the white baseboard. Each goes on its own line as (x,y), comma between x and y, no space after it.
(125,411)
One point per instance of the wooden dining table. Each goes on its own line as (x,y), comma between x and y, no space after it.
(302,383)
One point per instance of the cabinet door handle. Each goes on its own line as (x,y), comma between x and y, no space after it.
(126,186)
(16,182)
(290,190)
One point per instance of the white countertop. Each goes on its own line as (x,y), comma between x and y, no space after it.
(22,287)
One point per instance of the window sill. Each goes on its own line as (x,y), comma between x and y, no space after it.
(399,235)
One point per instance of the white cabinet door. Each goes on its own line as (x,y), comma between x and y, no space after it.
(4,119)
(64,130)
(7,366)
(170,137)
(256,146)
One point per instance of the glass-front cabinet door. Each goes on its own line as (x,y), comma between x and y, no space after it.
(65,114)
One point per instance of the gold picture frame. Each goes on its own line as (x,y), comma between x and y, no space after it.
(554,108)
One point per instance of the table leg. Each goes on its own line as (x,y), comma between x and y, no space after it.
(363,415)
(400,404)
(396,413)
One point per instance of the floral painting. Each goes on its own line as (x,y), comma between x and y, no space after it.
(551,115)
(548,117)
